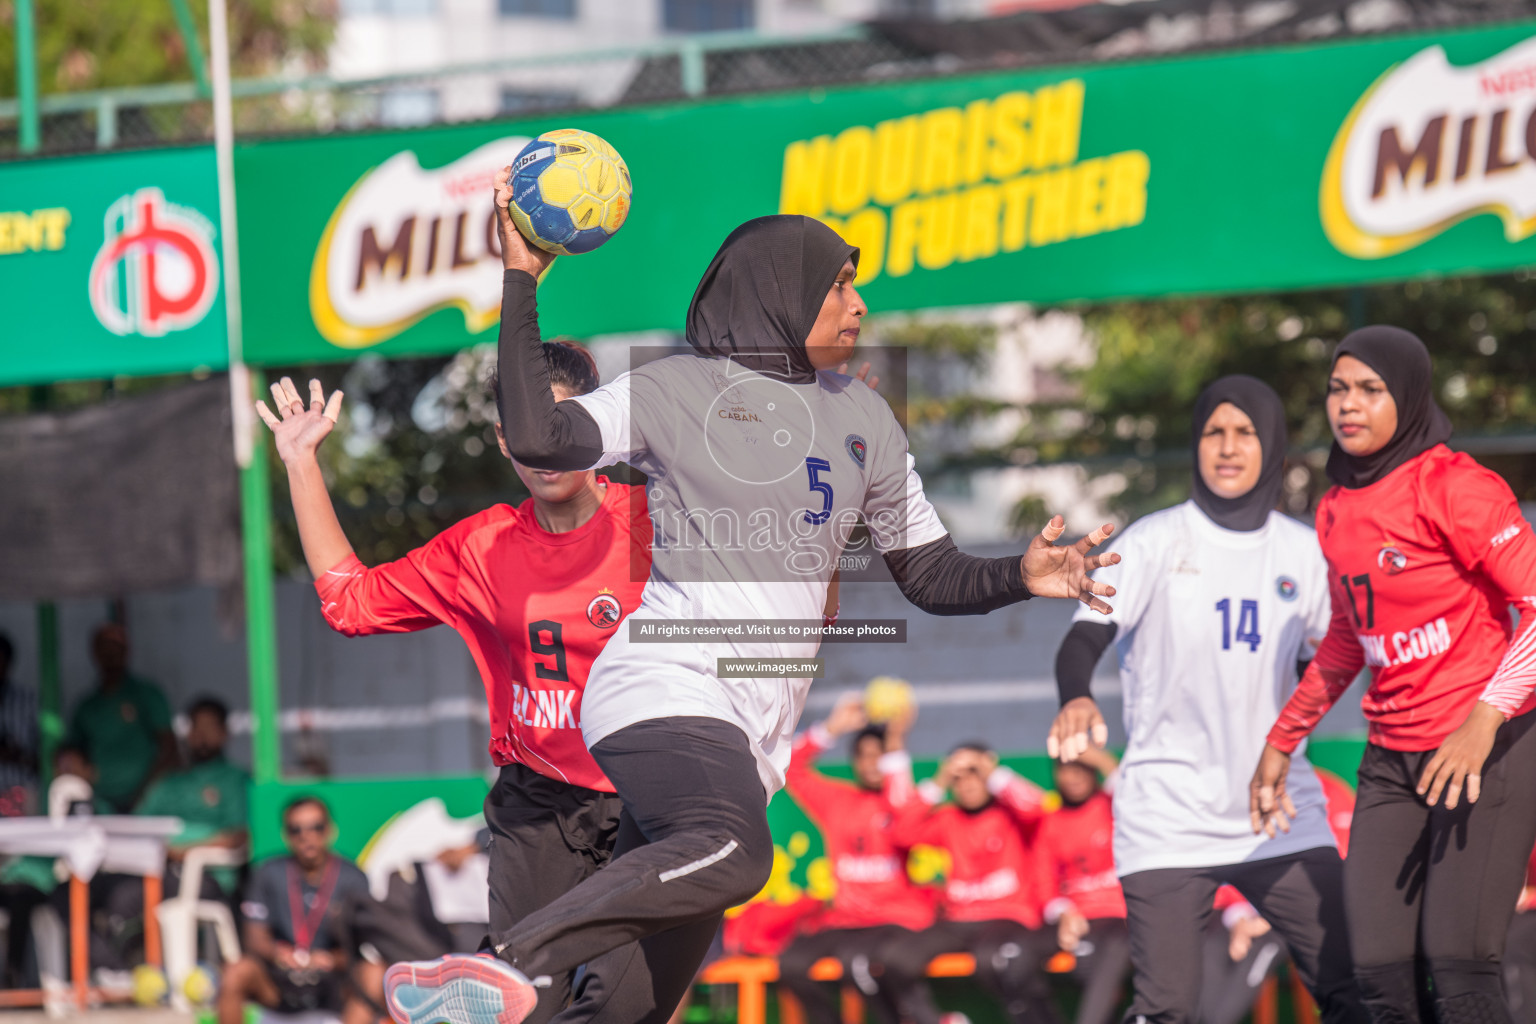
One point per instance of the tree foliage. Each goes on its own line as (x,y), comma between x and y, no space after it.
(95,44)
(414,453)
(1130,411)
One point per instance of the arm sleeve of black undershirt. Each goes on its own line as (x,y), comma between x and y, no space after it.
(540,432)
(941,579)
(1079,656)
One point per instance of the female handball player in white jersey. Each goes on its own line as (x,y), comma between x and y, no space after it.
(759,466)
(1218,599)
(1427,551)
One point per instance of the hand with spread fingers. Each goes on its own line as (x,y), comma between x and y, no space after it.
(1052,571)
(1079,728)
(297,428)
(1460,759)
(1270,809)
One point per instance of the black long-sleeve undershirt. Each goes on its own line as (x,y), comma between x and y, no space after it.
(1079,655)
(941,579)
(545,434)
(540,432)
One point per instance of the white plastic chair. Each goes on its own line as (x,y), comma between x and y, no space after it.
(49,935)
(64,791)
(182,916)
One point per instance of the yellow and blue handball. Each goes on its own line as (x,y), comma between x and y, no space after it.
(887,697)
(570,191)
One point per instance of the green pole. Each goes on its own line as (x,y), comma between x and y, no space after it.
(50,719)
(50,715)
(194,45)
(26,76)
(260,608)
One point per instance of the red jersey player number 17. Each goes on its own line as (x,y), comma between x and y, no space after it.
(1426,552)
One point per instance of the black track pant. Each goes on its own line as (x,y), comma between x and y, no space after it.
(1520,966)
(1301,895)
(693,841)
(858,950)
(1010,964)
(1230,986)
(546,838)
(1438,887)
(1103,965)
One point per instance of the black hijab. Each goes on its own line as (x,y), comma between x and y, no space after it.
(1403,364)
(763,291)
(1248,511)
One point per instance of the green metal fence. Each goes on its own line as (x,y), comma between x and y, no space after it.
(681,68)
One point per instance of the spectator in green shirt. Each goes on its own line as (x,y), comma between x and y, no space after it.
(125,726)
(209,796)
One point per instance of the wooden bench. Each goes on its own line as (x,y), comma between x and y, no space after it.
(753,974)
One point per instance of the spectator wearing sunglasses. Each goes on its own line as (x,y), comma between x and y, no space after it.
(294,961)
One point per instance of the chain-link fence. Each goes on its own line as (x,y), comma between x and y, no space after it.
(678,69)
(726,63)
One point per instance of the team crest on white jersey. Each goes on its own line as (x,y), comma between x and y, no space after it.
(1286,588)
(1391,560)
(857,448)
(604,611)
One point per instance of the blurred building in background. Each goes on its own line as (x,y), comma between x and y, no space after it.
(383,37)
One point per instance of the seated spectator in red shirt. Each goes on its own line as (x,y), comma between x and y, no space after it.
(1074,848)
(874,902)
(991,904)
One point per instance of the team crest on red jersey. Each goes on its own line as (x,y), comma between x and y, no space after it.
(604,611)
(1391,560)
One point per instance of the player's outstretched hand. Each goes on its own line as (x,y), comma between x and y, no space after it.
(1079,726)
(847,716)
(1461,757)
(517,253)
(1051,571)
(1269,805)
(301,429)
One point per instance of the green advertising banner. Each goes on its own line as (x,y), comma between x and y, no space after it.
(109,266)
(363,808)
(1311,166)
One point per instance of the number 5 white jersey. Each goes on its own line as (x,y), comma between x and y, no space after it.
(754,488)
(1211,624)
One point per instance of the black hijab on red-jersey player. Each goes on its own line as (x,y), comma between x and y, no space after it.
(1403,363)
(761,294)
(1258,400)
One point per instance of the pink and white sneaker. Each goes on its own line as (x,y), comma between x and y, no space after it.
(458,989)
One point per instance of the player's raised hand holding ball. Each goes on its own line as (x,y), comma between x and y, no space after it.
(566,193)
